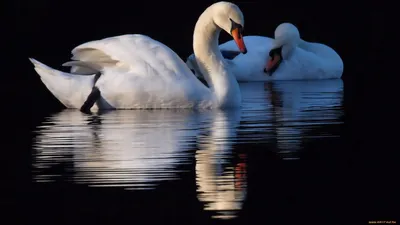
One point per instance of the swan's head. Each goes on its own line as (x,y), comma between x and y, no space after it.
(230,18)
(286,39)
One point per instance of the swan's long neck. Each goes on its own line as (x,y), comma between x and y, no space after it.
(211,63)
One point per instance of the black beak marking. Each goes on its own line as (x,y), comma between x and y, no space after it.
(276,51)
(235,25)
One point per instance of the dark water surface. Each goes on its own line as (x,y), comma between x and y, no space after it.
(281,150)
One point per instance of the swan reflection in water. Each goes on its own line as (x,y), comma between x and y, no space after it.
(138,149)
(221,185)
(141,148)
(119,148)
(290,111)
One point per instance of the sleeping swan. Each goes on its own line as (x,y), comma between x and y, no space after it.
(138,72)
(287,57)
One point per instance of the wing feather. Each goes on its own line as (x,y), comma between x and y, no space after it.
(138,54)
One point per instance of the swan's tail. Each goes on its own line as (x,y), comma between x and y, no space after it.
(70,89)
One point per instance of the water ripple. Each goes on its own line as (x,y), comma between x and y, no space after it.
(139,149)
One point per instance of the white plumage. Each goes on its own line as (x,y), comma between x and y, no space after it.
(139,72)
(304,61)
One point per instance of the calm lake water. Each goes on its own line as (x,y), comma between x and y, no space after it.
(189,167)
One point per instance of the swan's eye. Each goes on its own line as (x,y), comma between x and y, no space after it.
(237,26)
(237,34)
(275,51)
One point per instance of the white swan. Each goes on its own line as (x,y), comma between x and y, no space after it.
(287,57)
(140,72)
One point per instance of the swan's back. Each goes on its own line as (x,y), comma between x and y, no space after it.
(313,61)
(136,53)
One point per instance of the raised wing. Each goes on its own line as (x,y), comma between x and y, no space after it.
(136,54)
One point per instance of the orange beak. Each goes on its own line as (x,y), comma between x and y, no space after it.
(273,62)
(237,36)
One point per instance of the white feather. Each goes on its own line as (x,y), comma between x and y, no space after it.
(307,61)
(139,72)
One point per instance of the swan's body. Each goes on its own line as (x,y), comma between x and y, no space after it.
(303,60)
(140,72)
(147,74)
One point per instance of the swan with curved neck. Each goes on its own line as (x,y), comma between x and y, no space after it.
(208,56)
(284,57)
(136,71)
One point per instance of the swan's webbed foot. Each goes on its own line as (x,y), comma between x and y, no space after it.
(93,96)
(91,99)
(96,77)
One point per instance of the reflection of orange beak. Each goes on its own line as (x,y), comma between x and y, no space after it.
(240,173)
(237,36)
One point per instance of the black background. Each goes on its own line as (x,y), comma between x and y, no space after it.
(48,30)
